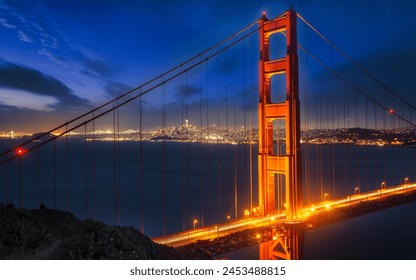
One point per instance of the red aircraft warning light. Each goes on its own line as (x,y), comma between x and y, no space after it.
(20,151)
(391,111)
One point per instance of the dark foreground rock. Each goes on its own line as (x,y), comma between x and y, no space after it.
(53,234)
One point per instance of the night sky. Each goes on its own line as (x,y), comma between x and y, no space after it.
(60,58)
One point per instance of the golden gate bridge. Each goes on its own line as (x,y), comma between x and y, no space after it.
(230,148)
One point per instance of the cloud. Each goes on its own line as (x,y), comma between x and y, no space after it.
(51,56)
(98,66)
(29,120)
(22,78)
(25,100)
(5,24)
(92,65)
(188,91)
(115,89)
(24,37)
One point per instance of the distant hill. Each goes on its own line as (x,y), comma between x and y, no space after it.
(53,234)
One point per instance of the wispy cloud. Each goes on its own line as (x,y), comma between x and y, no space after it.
(5,24)
(24,37)
(115,89)
(25,100)
(51,56)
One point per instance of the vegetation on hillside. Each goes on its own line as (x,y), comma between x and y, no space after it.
(52,234)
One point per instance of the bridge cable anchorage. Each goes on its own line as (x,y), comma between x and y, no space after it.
(354,62)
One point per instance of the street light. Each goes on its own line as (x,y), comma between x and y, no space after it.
(195,222)
(228,222)
(383,185)
(325,196)
(272,220)
(406,181)
(356,190)
(246,214)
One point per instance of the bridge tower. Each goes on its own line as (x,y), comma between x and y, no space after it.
(269,162)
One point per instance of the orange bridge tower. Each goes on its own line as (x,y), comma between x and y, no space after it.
(284,245)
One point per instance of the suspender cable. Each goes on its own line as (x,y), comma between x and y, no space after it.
(187,185)
(208,170)
(227,139)
(114,169)
(86,171)
(38,178)
(94,179)
(164,166)
(20,183)
(66,171)
(54,174)
(6,182)
(141,185)
(183,179)
(245,108)
(118,168)
(218,154)
(235,148)
(201,150)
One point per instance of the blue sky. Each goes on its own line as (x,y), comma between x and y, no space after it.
(60,58)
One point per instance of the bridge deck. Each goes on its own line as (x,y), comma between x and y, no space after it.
(221,238)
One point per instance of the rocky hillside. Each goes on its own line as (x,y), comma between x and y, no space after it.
(52,234)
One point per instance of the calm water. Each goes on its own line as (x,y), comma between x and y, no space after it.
(197,181)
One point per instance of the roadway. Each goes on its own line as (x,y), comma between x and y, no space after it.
(216,231)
